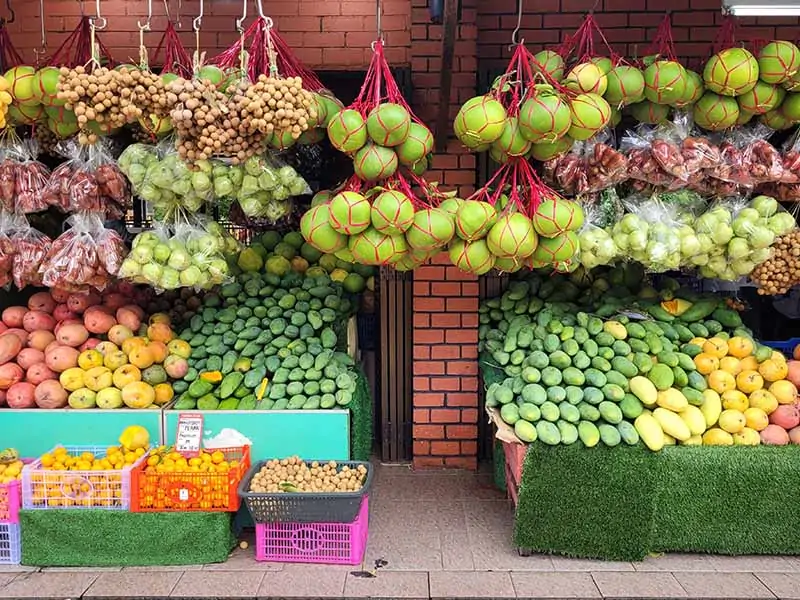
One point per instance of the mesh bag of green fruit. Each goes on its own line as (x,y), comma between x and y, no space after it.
(650,233)
(268,186)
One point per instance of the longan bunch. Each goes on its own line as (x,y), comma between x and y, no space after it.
(276,106)
(781,271)
(97,96)
(295,475)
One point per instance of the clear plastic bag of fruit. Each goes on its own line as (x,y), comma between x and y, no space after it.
(679,152)
(591,166)
(268,186)
(31,247)
(597,246)
(134,162)
(643,165)
(650,233)
(7,249)
(86,256)
(762,161)
(23,179)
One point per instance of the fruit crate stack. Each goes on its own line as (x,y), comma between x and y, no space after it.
(310,527)
(209,484)
(50,482)
(10,500)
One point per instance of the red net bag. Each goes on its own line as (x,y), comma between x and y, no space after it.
(77,49)
(177,59)
(30,247)
(87,256)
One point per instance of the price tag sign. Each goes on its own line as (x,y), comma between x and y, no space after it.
(189,436)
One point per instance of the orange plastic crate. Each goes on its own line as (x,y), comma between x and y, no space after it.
(187,492)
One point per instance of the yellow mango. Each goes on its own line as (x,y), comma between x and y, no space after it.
(717,437)
(672,424)
(695,440)
(650,431)
(616,329)
(694,419)
(712,407)
(672,399)
(644,390)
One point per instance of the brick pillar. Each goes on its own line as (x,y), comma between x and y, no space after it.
(445,366)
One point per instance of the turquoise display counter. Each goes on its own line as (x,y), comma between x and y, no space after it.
(312,434)
(33,432)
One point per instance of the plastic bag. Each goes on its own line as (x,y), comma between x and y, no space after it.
(650,233)
(597,246)
(679,152)
(31,247)
(643,166)
(188,252)
(762,160)
(268,186)
(23,179)
(7,249)
(84,257)
(591,166)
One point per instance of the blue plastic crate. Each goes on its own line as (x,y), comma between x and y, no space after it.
(786,346)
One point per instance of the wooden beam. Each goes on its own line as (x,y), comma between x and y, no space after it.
(449,25)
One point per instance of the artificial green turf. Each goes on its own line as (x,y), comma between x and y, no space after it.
(107,538)
(361,419)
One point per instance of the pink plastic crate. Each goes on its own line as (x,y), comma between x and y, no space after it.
(10,544)
(327,543)
(10,500)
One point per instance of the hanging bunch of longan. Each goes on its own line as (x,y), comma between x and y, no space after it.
(781,271)
(295,475)
(276,106)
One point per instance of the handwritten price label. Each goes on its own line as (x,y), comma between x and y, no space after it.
(189,436)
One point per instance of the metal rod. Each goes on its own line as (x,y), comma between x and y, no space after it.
(514,34)
(198,21)
(146,26)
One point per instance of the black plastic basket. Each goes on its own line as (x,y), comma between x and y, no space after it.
(304,507)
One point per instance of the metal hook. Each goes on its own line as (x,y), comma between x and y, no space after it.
(514,41)
(44,30)
(98,18)
(178,23)
(240,22)
(260,8)
(199,19)
(146,26)
(13,16)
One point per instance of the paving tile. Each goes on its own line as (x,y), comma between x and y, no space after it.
(388,584)
(455,584)
(554,586)
(81,569)
(677,562)
(304,581)
(218,584)
(563,563)
(432,485)
(48,585)
(18,569)
(620,585)
(132,585)
(408,535)
(750,564)
(722,585)
(158,568)
(7,578)
(243,559)
(785,586)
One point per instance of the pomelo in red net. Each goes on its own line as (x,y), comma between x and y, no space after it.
(45,86)
(731,72)
(587,78)
(374,162)
(315,225)
(416,146)
(551,62)
(590,114)
(432,228)
(776,120)
(349,212)
(474,219)
(371,247)
(25,115)
(388,124)
(761,99)
(555,216)
(21,81)
(392,212)
(649,112)
(694,89)
(625,86)
(508,265)
(471,257)
(544,117)
(512,236)
(546,150)
(778,62)
(557,249)
(664,82)
(715,113)
(791,107)
(511,142)
(347,131)
(479,121)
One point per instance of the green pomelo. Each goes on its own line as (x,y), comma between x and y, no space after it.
(61,129)
(212,73)
(649,112)
(21,82)
(665,82)
(422,165)
(512,236)
(371,247)
(731,72)
(511,142)
(58,113)
(792,84)
(471,257)
(349,212)
(508,265)
(480,121)
(45,86)
(388,124)
(321,197)
(332,107)
(546,150)
(557,249)
(320,110)
(25,115)
(763,98)
(374,163)
(715,113)
(625,86)
(432,228)
(392,212)
(568,266)
(474,219)
(744,117)
(347,131)
(555,216)
(311,136)
(101,129)
(417,145)
(282,140)
(605,63)
(778,62)
(791,107)
(411,260)
(534,263)
(168,78)
(155,125)
(497,154)
(587,78)
(590,114)
(451,205)
(315,225)
(616,117)
(550,62)
(694,89)
(345,255)
(544,118)
(775,119)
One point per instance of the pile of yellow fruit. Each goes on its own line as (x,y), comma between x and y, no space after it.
(10,466)
(742,390)
(171,481)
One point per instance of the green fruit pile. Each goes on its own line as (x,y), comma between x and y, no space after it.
(584,356)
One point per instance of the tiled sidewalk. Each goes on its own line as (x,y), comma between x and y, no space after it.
(443,535)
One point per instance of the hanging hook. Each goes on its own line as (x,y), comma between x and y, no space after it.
(146,26)
(13,16)
(178,15)
(98,18)
(514,40)
(198,21)
(44,29)
(240,22)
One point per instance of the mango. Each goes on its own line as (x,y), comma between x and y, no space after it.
(661,376)
(568,432)
(672,424)
(694,419)
(717,437)
(672,399)
(695,440)
(548,433)
(616,329)
(644,389)
(525,431)
(588,434)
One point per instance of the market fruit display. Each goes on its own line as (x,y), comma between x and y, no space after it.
(10,470)
(602,357)
(293,475)
(780,272)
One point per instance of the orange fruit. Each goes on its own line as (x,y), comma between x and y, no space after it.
(706,363)
(141,357)
(765,400)
(129,344)
(740,347)
(784,391)
(160,332)
(735,400)
(716,347)
(721,381)
(756,418)
(731,364)
(773,370)
(749,381)
(749,363)
(159,350)
(164,393)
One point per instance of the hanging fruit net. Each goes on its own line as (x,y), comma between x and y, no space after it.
(76,50)
(8,53)
(177,59)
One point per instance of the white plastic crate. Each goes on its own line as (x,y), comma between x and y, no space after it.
(10,544)
(47,488)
